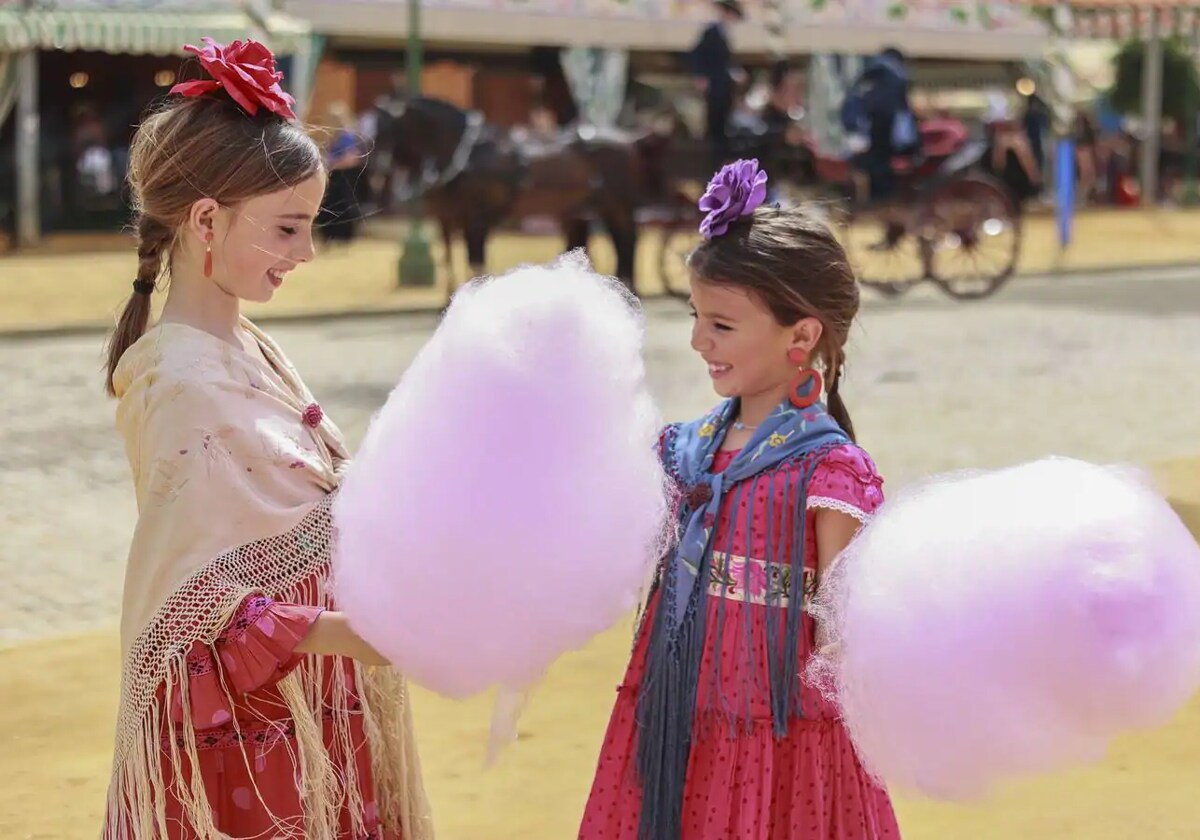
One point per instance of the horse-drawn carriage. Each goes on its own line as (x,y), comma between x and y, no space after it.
(951,223)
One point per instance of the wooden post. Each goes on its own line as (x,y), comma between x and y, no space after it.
(1152,92)
(29,222)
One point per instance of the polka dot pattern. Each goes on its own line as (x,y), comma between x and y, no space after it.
(246,743)
(742,782)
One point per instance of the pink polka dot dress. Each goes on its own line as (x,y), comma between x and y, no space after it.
(743,782)
(246,740)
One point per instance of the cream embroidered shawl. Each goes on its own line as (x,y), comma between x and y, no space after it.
(234,491)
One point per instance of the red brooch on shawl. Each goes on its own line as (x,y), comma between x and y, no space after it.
(313,414)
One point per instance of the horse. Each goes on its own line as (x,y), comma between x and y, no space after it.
(472,175)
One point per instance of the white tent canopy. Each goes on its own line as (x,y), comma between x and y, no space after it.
(143,27)
(964,29)
(133,27)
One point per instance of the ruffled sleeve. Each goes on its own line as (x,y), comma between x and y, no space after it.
(847,480)
(256,650)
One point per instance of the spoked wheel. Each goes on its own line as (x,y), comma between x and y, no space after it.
(678,241)
(886,251)
(679,237)
(974,233)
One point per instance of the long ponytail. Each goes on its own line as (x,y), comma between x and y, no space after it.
(154,242)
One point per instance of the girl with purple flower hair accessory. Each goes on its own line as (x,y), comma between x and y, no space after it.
(713,734)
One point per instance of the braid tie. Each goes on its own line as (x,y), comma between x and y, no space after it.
(153,239)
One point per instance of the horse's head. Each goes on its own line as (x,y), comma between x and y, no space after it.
(414,131)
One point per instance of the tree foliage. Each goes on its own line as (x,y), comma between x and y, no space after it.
(1180,88)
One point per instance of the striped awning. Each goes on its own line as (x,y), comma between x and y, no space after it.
(13,36)
(1123,19)
(142,32)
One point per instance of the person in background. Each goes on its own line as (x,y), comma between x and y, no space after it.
(1012,159)
(783,133)
(1036,119)
(1086,141)
(344,160)
(877,106)
(711,62)
(784,97)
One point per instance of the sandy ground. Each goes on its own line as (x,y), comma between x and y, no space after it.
(1100,369)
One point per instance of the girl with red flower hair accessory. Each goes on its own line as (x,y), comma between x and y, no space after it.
(248,707)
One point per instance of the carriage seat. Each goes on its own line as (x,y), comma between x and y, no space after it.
(940,138)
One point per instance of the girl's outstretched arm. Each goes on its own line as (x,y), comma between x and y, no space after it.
(331,635)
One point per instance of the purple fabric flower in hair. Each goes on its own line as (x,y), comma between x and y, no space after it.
(735,191)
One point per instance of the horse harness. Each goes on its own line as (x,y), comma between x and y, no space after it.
(468,143)
(431,179)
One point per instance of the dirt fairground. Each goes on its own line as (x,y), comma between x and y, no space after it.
(1104,370)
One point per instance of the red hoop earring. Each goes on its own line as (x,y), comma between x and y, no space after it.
(805,388)
(208,238)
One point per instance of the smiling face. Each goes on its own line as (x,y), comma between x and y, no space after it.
(745,347)
(258,242)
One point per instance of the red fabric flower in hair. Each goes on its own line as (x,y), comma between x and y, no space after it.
(246,71)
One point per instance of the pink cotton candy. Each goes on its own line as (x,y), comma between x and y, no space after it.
(508,503)
(990,626)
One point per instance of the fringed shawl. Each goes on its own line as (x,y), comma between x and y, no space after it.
(666,708)
(234,468)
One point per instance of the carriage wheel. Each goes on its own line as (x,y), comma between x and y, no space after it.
(974,233)
(679,236)
(885,251)
(678,240)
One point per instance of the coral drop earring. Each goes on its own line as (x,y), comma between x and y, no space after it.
(208,267)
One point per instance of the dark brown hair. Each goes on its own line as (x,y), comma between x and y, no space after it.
(194,148)
(794,264)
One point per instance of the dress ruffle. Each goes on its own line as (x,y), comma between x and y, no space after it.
(256,650)
(847,480)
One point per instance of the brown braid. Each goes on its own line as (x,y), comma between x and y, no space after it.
(837,408)
(154,242)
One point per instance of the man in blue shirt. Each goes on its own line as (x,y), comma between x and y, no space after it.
(877,106)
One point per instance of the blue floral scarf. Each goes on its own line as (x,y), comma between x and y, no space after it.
(667,696)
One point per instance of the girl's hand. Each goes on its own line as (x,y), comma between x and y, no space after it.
(330,635)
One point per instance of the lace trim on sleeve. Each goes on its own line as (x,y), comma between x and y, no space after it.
(837,504)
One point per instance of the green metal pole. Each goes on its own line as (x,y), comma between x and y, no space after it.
(1190,194)
(416,262)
